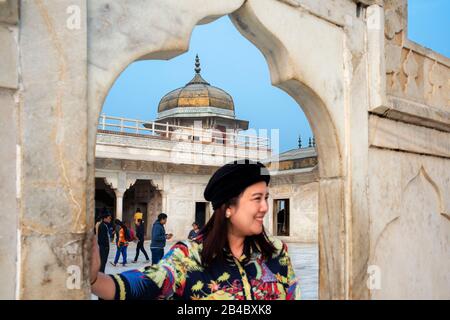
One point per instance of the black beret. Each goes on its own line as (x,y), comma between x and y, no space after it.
(232,179)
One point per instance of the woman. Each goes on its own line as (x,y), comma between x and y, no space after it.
(122,244)
(140,233)
(232,258)
(194,232)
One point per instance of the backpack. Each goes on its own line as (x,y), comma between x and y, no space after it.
(128,235)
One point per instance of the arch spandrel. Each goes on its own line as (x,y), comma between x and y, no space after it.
(121,32)
(312,74)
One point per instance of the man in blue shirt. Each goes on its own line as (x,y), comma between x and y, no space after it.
(159,237)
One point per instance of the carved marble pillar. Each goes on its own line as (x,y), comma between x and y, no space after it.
(164,201)
(119,203)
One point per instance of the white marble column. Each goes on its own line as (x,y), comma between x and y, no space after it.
(164,201)
(119,203)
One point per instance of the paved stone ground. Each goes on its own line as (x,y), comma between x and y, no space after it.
(304,258)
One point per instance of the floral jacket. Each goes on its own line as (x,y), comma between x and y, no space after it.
(180,275)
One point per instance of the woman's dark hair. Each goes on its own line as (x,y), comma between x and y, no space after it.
(138,210)
(215,238)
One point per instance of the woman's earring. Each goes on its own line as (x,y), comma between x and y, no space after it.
(228,214)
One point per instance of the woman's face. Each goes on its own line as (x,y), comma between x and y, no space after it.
(248,215)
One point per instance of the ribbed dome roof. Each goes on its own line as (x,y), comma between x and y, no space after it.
(196,93)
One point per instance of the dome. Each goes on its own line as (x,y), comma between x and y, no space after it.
(197,93)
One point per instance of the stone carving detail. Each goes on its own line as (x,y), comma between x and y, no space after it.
(434,80)
(393,24)
(393,63)
(111,181)
(130,182)
(439,84)
(156,184)
(411,69)
(411,245)
(124,166)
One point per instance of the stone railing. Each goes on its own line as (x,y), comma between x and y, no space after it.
(158,130)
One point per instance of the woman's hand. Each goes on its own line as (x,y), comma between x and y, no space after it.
(101,285)
(95,260)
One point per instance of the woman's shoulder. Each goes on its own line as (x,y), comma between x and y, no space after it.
(187,248)
(279,245)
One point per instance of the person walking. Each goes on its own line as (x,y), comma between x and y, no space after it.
(116,230)
(122,244)
(140,236)
(138,215)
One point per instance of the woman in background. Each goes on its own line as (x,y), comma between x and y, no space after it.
(122,244)
(194,232)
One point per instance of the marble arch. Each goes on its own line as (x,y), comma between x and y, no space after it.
(294,67)
(377,102)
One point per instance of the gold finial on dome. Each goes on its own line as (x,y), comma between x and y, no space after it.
(197,65)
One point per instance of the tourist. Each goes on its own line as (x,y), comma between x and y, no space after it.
(104,238)
(138,216)
(122,244)
(140,230)
(99,219)
(159,237)
(232,258)
(116,228)
(131,235)
(111,231)
(194,232)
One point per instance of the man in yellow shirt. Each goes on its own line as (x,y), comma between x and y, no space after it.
(138,216)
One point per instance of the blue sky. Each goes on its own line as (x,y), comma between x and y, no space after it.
(232,63)
(429,24)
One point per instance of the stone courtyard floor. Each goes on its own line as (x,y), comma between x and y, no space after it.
(304,257)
